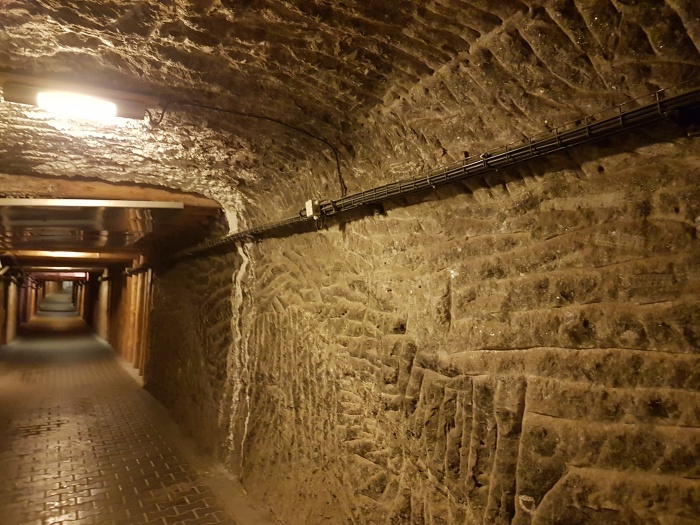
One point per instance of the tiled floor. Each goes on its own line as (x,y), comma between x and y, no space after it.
(82,443)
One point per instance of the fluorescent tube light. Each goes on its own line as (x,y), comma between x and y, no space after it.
(63,101)
(75,105)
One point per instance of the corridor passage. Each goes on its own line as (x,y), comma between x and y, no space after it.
(81,442)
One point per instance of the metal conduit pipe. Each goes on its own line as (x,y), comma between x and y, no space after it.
(561,138)
(659,105)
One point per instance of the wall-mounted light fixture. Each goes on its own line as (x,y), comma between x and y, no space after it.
(75,105)
(73,101)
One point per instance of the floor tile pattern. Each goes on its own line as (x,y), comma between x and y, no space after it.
(82,444)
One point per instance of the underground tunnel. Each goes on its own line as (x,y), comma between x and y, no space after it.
(359,262)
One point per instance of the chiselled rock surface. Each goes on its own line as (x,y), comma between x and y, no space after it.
(394,86)
(519,349)
(192,334)
(524,350)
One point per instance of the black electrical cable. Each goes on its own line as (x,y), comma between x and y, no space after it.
(152,119)
(585,130)
(245,114)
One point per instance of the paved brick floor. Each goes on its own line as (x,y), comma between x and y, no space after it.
(82,443)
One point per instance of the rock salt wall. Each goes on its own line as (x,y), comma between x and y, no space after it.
(521,349)
(518,349)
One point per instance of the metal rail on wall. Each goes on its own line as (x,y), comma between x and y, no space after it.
(588,129)
(641,111)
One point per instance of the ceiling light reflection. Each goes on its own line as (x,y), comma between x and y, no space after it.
(70,255)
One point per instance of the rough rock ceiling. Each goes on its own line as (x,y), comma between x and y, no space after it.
(371,77)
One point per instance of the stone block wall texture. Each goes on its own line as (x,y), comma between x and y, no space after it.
(521,349)
(389,83)
(191,338)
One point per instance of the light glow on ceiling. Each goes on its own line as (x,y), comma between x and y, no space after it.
(75,105)
(59,276)
(70,255)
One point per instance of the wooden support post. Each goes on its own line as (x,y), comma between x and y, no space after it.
(133,304)
(102,325)
(33,303)
(138,319)
(11,311)
(80,300)
(146,319)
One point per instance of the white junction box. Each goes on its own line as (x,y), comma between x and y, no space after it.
(313,209)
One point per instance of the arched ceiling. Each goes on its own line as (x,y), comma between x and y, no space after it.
(392,85)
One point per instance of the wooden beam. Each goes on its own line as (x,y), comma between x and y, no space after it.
(90,256)
(79,188)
